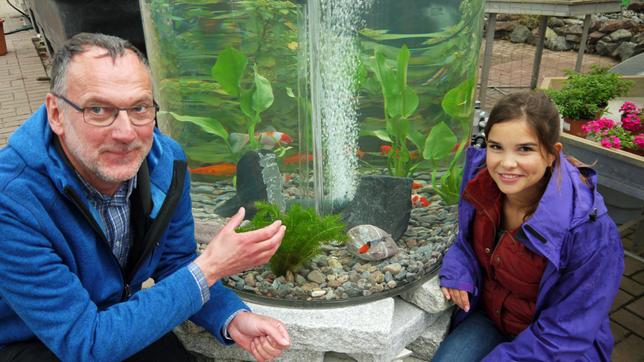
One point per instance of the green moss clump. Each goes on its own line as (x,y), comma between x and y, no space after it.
(306,231)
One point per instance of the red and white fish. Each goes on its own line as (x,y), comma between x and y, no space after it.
(419,201)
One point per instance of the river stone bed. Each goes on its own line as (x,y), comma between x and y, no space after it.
(335,274)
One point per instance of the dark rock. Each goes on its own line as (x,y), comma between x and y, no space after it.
(383,201)
(595,36)
(624,51)
(555,22)
(520,34)
(258,179)
(612,25)
(572,38)
(638,49)
(229,207)
(504,26)
(620,35)
(605,48)
(554,41)
(574,29)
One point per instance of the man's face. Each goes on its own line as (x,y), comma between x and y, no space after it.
(104,156)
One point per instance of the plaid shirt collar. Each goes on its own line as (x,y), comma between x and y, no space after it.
(120,197)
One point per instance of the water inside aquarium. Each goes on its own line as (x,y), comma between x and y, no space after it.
(333,90)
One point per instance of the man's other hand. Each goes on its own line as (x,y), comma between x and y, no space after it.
(230,252)
(263,337)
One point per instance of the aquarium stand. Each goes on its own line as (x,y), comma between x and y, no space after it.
(374,332)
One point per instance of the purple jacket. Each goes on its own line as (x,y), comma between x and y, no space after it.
(572,230)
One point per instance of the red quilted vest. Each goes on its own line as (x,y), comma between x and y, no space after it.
(511,271)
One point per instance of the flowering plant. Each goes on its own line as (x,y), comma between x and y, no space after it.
(627,134)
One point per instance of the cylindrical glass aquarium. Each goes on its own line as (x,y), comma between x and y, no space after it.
(345,117)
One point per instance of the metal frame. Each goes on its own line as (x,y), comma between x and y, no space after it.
(545,9)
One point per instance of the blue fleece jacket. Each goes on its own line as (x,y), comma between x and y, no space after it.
(59,280)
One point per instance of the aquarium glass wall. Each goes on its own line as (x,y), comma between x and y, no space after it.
(308,102)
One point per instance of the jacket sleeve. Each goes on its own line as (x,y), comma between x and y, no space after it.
(456,271)
(50,299)
(459,269)
(577,304)
(178,251)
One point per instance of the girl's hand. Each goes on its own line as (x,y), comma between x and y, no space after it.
(459,297)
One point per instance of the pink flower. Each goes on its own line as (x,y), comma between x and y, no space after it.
(631,122)
(629,107)
(606,142)
(616,142)
(639,140)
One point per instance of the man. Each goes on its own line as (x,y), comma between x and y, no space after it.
(94,200)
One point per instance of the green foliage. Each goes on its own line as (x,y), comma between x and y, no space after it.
(584,96)
(253,100)
(306,231)
(401,101)
(448,187)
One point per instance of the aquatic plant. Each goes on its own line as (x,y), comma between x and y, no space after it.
(400,102)
(306,231)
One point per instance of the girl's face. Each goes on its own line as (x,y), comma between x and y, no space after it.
(516,160)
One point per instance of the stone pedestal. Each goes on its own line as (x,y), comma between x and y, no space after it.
(370,332)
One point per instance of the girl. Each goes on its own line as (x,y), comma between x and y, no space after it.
(538,261)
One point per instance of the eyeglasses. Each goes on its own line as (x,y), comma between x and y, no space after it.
(104,116)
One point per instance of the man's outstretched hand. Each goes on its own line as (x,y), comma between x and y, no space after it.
(263,337)
(230,252)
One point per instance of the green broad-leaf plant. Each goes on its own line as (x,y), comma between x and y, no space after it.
(306,231)
(256,97)
(400,103)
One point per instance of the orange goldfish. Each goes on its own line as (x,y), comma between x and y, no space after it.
(416,185)
(219,169)
(365,247)
(297,158)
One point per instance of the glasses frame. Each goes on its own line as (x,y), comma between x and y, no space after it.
(114,115)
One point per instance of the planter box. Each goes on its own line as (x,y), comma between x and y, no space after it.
(619,170)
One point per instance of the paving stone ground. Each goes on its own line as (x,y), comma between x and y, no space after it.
(24,84)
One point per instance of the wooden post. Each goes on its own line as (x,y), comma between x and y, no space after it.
(487,57)
(539,52)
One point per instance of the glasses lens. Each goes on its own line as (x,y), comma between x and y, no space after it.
(100,116)
(141,115)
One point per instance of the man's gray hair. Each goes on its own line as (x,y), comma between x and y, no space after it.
(80,43)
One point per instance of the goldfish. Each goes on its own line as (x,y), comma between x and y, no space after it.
(416,185)
(365,247)
(219,169)
(267,139)
(385,149)
(297,158)
(419,201)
